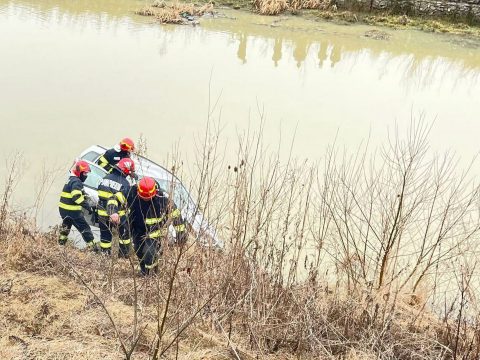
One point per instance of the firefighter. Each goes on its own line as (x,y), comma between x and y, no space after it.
(150,214)
(114,155)
(112,205)
(72,199)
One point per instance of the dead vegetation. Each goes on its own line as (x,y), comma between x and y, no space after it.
(180,13)
(232,313)
(189,13)
(347,260)
(275,7)
(175,12)
(270,7)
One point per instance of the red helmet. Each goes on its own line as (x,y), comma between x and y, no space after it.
(147,188)
(126,166)
(80,168)
(127,144)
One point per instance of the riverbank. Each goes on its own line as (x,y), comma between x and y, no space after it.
(349,264)
(59,302)
(318,10)
(398,22)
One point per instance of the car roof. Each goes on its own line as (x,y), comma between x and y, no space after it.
(143,167)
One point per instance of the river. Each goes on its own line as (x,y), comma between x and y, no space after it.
(74,73)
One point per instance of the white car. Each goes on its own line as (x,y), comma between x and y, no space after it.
(204,232)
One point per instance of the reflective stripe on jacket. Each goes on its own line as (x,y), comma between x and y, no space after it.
(72,197)
(149,217)
(111,158)
(112,194)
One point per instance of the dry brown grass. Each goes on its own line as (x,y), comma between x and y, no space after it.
(270,7)
(174,13)
(275,7)
(337,267)
(309,4)
(47,312)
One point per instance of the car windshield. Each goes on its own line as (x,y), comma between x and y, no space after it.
(95,176)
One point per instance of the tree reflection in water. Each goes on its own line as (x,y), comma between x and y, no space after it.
(420,57)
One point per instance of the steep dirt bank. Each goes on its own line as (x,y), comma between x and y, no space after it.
(59,302)
(49,310)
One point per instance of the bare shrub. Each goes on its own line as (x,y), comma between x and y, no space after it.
(13,171)
(345,259)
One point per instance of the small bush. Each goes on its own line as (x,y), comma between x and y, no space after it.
(174,13)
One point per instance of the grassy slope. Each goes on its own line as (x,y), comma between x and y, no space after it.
(47,313)
(52,308)
(51,317)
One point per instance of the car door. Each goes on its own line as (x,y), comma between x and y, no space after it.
(91,185)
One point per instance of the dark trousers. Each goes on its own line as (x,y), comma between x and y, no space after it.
(106,227)
(76,219)
(147,251)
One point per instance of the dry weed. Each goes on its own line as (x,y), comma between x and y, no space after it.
(174,13)
(270,7)
(275,7)
(339,263)
(309,4)
(46,310)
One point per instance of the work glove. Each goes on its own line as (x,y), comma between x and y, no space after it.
(88,207)
(115,218)
(93,214)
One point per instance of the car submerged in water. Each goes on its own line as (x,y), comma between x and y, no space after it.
(204,232)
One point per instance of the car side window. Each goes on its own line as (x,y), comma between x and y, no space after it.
(95,176)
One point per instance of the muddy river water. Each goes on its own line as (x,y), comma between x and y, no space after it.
(74,73)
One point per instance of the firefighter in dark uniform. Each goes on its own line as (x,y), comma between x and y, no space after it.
(150,214)
(72,200)
(115,154)
(112,207)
